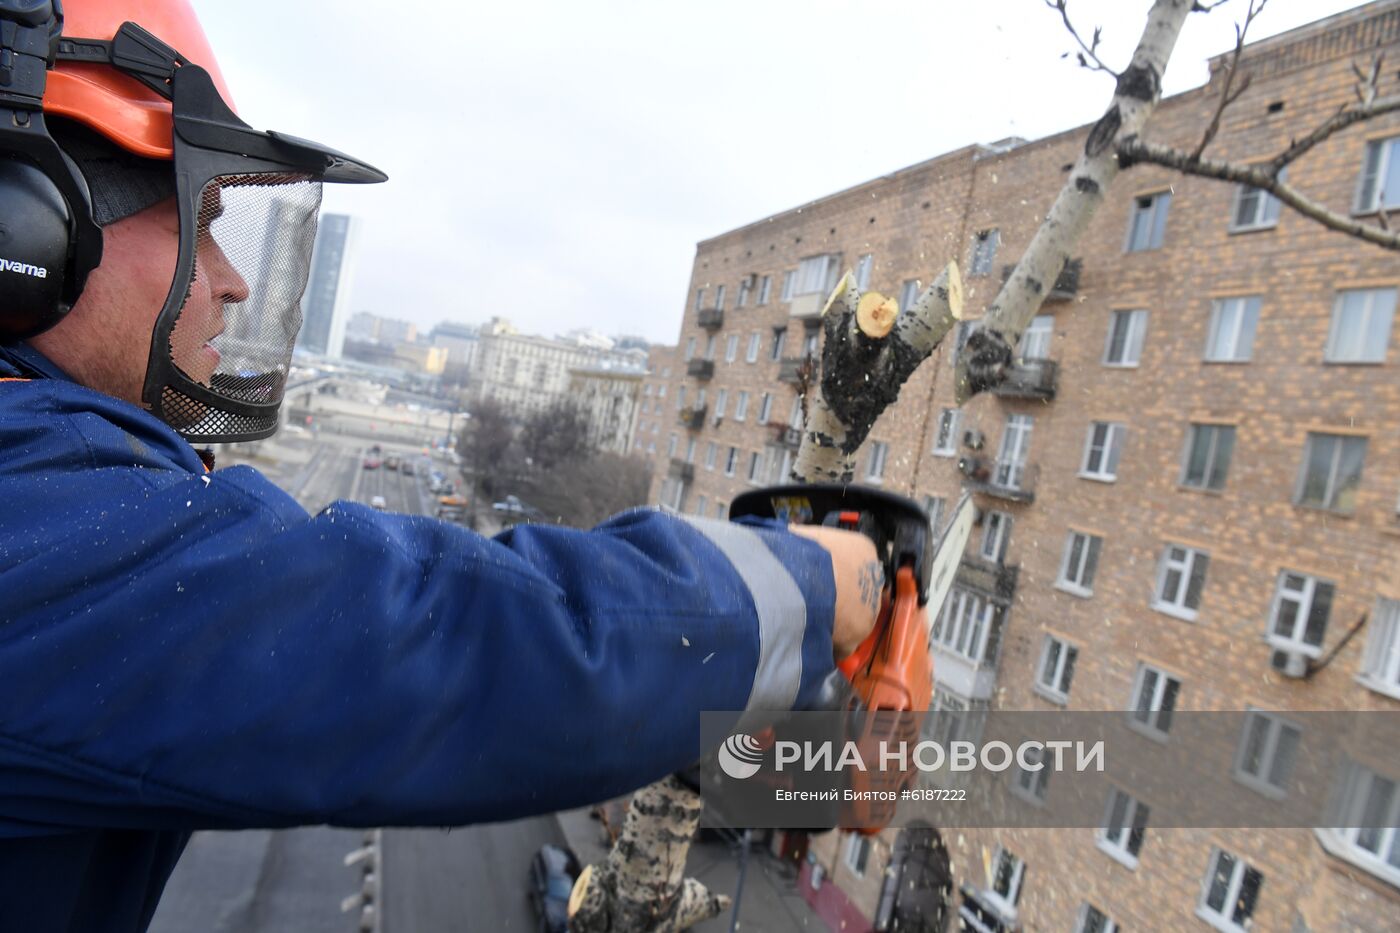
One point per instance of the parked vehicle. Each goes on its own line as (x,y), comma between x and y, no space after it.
(452,507)
(391,462)
(406,467)
(512,510)
(553,871)
(371,463)
(378,503)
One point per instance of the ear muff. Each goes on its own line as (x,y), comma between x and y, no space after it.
(35,248)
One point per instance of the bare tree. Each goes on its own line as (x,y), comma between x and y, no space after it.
(485,442)
(873,346)
(555,435)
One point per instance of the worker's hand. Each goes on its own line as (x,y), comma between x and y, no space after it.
(860,579)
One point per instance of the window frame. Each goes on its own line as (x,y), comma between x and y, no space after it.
(1040,325)
(1225,921)
(953,416)
(1150,723)
(755,343)
(984,252)
(741,405)
(1119,845)
(1331,491)
(755,461)
(1157,212)
(1380,663)
(1092,547)
(1178,607)
(1262,783)
(765,408)
(1247,309)
(1266,205)
(711,453)
(1216,432)
(1329,354)
(1110,451)
(779,343)
(864,266)
(1134,342)
(1062,676)
(1031,786)
(1007,902)
(857,857)
(1302,620)
(996,536)
(1081,923)
(969,626)
(1352,797)
(909,292)
(1388,146)
(765,290)
(731,461)
(731,348)
(875,465)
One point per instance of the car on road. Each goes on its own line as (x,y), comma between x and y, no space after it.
(371,463)
(378,503)
(512,510)
(391,462)
(406,467)
(553,871)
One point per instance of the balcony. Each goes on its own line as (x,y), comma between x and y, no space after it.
(1011,480)
(712,318)
(807,307)
(1029,379)
(1066,283)
(789,369)
(787,436)
(997,582)
(693,418)
(681,470)
(976,680)
(700,369)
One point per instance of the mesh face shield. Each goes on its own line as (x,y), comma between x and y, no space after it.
(248,202)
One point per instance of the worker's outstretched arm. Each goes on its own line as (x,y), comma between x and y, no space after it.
(197,652)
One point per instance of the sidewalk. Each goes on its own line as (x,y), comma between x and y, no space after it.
(770,900)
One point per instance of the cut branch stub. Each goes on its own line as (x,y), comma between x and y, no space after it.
(875,314)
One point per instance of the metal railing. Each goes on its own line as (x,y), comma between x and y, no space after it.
(711,318)
(700,369)
(1012,480)
(681,470)
(995,581)
(1029,379)
(693,418)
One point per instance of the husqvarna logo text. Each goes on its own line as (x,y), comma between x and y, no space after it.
(740,756)
(23,268)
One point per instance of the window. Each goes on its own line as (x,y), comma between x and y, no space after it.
(811,344)
(1126,330)
(1148,222)
(817,274)
(720,510)
(908,294)
(795,415)
(857,854)
(863,270)
(1230,338)
(1255,209)
(671,447)
(996,536)
(933,507)
(1057,659)
(1266,754)
(755,339)
(1125,824)
(1368,808)
(699,298)
(1102,451)
(1230,892)
(1093,920)
(1154,700)
(1208,449)
(1180,580)
(721,403)
(1302,605)
(1081,560)
(711,450)
(731,348)
(731,462)
(745,286)
(945,439)
(754,460)
(680,398)
(689,349)
(1331,471)
(765,289)
(1008,872)
(779,341)
(1011,456)
(875,467)
(969,626)
(719,297)
(1361,320)
(765,408)
(690,451)
(1035,342)
(984,252)
(710,348)
(1380,176)
(661,389)
(1380,666)
(1030,783)
(701,505)
(741,407)
(789,282)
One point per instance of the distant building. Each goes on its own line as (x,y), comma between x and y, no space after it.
(608,399)
(530,374)
(420,358)
(653,410)
(461,341)
(325,304)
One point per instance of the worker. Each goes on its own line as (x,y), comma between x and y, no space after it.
(183,648)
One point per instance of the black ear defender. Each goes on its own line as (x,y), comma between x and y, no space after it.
(49,241)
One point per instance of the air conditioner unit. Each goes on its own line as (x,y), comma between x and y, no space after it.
(749,280)
(974,468)
(973,439)
(1290,664)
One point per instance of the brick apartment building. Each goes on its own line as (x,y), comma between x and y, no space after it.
(1189,490)
(655,412)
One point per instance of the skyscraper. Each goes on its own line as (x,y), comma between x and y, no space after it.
(325,306)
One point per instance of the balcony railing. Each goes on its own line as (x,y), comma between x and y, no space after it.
(694,418)
(712,318)
(976,680)
(1012,480)
(807,306)
(1029,379)
(789,369)
(997,582)
(787,436)
(1066,283)
(681,470)
(700,369)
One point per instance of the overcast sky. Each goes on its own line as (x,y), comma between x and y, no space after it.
(556,163)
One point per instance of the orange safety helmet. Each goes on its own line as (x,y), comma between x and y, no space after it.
(114,104)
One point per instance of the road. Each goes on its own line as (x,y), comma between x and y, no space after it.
(294,880)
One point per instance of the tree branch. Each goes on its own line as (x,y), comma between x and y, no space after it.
(1231,70)
(1090,53)
(1258,176)
(1139,87)
(1370,107)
